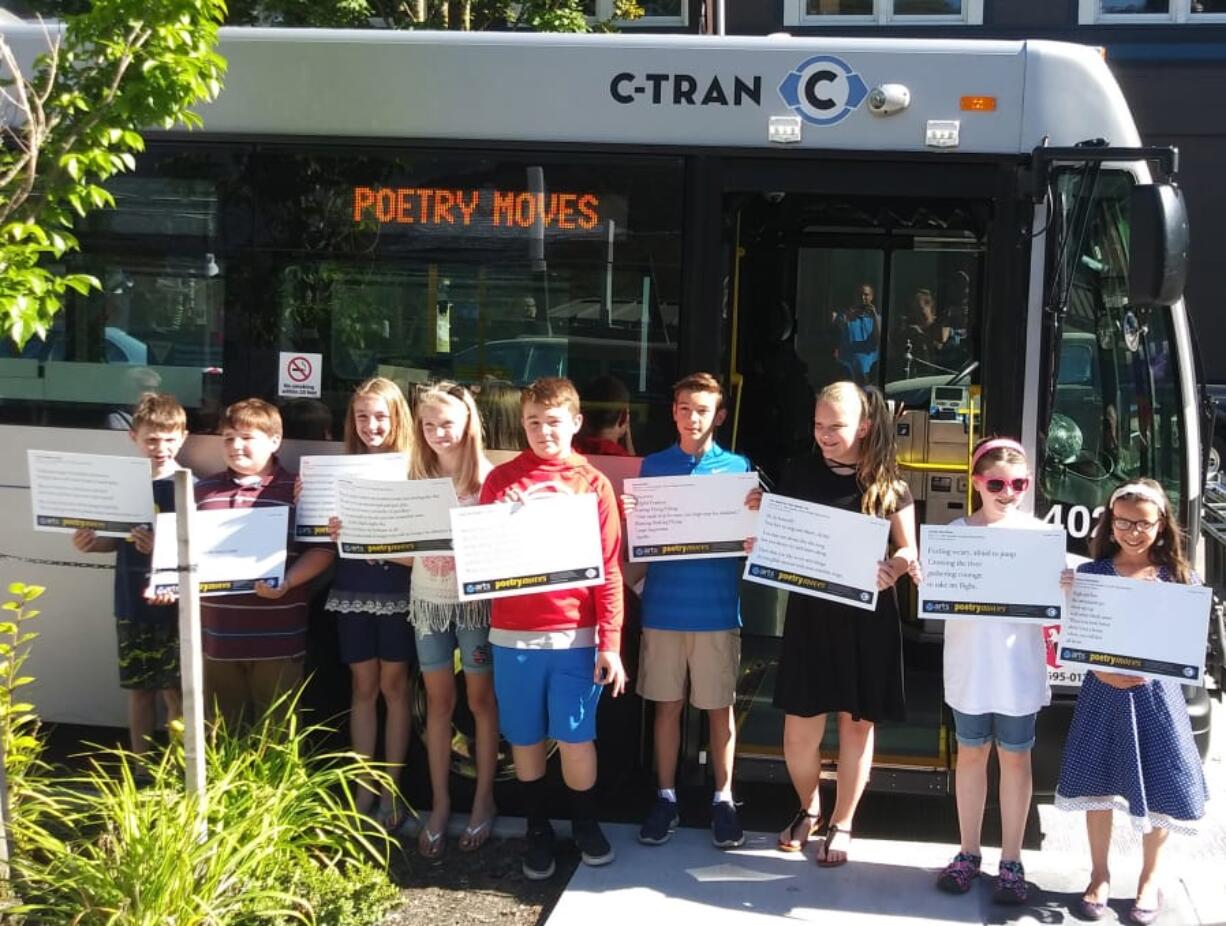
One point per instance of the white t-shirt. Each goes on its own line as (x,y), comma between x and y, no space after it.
(994,667)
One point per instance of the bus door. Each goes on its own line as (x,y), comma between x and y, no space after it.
(909,271)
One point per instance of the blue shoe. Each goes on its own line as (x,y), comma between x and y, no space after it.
(658,828)
(726,830)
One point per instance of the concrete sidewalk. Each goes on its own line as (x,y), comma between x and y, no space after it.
(687,880)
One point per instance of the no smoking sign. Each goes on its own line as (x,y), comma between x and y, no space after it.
(299,375)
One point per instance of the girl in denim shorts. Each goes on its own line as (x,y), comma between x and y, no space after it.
(449,445)
(995,682)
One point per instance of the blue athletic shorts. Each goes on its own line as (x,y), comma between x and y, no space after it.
(436,649)
(1013,734)
(386,637)
(546,693)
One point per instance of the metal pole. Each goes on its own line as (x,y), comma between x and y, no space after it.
(190,656)
(4,810)
(720,12)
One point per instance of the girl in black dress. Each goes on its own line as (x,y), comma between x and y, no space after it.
(837,659)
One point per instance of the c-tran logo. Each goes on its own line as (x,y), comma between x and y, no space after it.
(823,90)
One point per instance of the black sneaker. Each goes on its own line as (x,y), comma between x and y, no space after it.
(660,823)
(726,830)
(537,861)
(593,846)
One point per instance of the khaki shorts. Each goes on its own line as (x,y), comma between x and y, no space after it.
(711,658)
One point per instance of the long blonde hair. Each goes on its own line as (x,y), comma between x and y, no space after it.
(877,469)
(400,434)
(425,463)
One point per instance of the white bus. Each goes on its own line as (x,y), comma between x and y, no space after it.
(472,205)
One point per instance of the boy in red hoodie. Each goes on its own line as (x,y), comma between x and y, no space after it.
(553,651)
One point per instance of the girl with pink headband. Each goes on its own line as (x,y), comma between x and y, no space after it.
(995,682)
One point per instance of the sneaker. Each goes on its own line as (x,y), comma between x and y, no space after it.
(1011,884)
(538,863)
(658,828)
(593,846)
(726,830)
(958,874)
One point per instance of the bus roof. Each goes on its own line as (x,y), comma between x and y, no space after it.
(655,90)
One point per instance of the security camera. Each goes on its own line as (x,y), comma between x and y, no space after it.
(888,99)
(774,198)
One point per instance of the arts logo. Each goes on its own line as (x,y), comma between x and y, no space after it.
(823,90)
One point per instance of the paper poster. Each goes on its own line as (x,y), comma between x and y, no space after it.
(818,550)
(107,494)
(689,517)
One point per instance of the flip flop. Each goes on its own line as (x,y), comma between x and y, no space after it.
(430,845)
(474,837)
(786,845)
(831,832)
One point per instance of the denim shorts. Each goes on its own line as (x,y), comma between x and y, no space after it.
(436,649)
(1012,734)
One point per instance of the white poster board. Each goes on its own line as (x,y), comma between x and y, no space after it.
(1149,629)
(546,544)
(689,517)
(382,518)
(317,503)
(818,550)
(107,494)
(991,573)
(234,547)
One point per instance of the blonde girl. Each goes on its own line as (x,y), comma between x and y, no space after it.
(371,601)
(835,658)
(1130,745)
(449,445)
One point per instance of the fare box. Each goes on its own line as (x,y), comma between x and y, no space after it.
(689,517)
(109,495)
(818,550)
(992,573)
(1133,627)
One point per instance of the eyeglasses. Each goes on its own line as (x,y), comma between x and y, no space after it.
(1124,525)
(996,486)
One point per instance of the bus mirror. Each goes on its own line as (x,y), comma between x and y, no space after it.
(1158,259)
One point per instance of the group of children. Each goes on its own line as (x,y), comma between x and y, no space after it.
(536,665)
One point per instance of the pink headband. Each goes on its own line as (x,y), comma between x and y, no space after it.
(998,443)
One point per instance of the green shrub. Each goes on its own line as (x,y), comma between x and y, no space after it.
(274,838)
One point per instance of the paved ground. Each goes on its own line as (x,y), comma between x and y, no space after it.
(890,879)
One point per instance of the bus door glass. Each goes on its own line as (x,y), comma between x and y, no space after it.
(884,292)
(1116,410)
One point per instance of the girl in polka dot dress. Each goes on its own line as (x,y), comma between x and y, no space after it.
(1130,744)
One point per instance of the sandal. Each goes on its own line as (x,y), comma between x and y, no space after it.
(831,833)
(794,843)
(430,845)
(391,817)
(475,836)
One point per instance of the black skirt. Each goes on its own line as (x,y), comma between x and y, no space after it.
(838,658)
(835,657)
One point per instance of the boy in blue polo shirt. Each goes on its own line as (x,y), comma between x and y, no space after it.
(691,624)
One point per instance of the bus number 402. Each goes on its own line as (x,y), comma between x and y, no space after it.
(1079,520)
